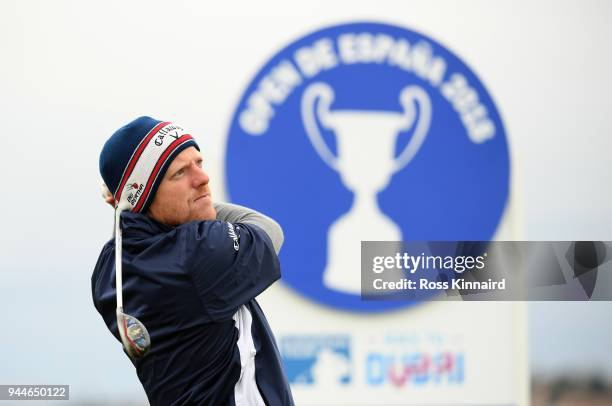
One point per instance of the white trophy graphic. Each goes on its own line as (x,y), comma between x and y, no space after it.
(365,147)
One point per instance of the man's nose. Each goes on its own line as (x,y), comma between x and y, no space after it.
(201,177)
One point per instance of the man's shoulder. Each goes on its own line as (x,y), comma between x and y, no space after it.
(104,257)
(104,265)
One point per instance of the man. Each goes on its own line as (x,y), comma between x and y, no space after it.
(191,271)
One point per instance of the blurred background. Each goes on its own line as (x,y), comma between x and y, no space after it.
(72,72)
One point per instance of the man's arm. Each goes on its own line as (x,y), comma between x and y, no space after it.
(234,213)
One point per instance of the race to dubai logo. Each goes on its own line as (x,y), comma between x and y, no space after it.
(366,132)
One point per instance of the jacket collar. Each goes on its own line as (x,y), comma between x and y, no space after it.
(141,225)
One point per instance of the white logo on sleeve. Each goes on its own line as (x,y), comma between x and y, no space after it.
(232,234)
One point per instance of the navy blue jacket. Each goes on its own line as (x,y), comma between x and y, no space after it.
(193,287)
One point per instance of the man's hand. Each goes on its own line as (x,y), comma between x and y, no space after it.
(107,195)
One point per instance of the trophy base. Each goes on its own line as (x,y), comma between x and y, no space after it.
(343,270)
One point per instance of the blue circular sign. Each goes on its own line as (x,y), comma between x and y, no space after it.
(366,131)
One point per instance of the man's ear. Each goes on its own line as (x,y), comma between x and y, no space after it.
(107,195)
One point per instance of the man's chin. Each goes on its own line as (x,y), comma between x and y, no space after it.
(208,214)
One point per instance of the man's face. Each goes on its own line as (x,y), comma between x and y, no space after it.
(183,195)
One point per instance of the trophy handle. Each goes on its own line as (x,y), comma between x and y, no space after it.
(325,94)
(407,96)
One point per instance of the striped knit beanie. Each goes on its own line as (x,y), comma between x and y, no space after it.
(135,158)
